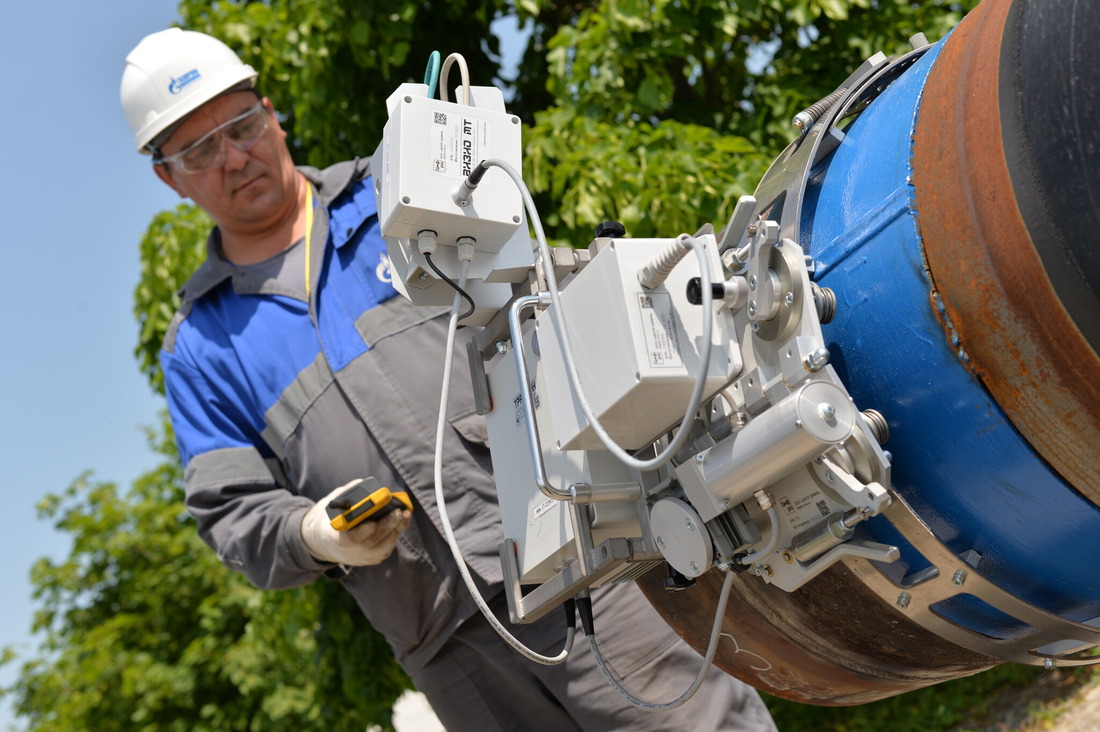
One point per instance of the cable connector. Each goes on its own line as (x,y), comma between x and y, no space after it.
(426,241)
(764,499)
(656,270)
(466,248)
(464,193)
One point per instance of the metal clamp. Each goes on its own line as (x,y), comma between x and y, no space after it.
(1053,640)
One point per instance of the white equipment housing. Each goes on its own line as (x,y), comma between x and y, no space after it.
(428,148)
(641,347)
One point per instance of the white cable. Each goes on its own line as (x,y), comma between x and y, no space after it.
(441,502)
(463,71)
(567,348)
(712,648)
(773,540)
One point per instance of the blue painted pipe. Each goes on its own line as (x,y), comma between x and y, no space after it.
(958,460)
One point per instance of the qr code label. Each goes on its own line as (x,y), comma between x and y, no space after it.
(803,511)
(441,118)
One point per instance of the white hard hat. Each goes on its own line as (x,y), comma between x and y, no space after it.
(172,73)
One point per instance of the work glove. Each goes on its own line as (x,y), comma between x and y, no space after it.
(368,543)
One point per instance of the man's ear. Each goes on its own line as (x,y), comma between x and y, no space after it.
(274,117)
(165,175)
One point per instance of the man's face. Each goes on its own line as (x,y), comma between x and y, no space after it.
(252,188)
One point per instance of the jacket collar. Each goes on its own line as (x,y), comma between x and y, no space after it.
(329,184)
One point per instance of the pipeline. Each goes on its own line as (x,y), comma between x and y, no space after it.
(956,223)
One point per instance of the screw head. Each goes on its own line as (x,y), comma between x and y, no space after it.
(788,299)
(689,524)
(752,282)
(660,542)
(959,577)
(904,599)
(423,275)
(694,568)
(752,307)
(827,411)
(816,360)
(502,346)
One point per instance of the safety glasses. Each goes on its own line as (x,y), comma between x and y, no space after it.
(208,152)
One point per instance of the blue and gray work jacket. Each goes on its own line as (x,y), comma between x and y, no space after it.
(276,402)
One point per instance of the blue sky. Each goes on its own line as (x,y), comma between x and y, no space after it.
(75,199)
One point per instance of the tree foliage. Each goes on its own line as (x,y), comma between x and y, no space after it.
(656,113)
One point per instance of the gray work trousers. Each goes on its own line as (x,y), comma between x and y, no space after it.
(478,683)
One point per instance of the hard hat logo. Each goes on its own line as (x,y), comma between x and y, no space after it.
(176,85)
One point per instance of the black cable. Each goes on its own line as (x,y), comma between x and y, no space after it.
(453,284)
(570,606)
(584,607)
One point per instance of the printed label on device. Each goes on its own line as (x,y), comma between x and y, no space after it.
(543,507)
(805,510)
(659,326)
(457,142)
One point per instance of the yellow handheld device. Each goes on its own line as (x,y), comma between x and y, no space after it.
(365,501)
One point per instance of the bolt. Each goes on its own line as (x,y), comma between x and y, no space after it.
(755,326)
(768,570)
(788,299)
(816,360)
(830,476)
(903,600)
(423,275)
(688,523)
(959,577)
(700,458)
(752,282)
(725,505)
(502,346)
(694,568)
(788,557)
(827,411)
(1048,663)
(752,307)
(660,542)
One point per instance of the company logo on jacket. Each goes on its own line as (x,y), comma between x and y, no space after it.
(384,270)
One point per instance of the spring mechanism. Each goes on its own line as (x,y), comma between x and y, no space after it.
(825,302)
(877,424)
(805,119)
